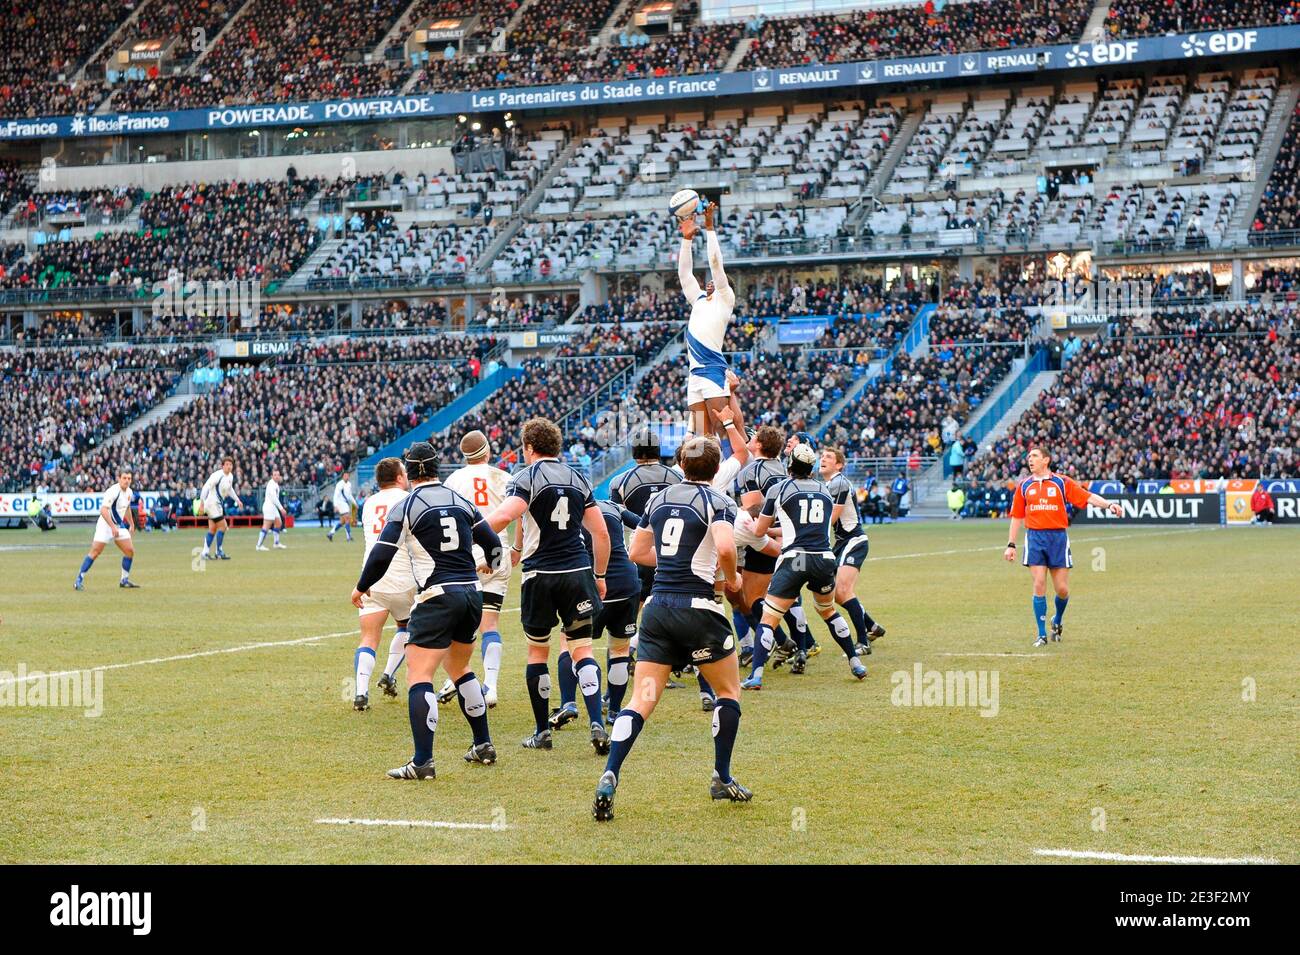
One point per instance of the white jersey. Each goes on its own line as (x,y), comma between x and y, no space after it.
(271,501)
(706,331)
(343,496)
(118,503)
(399,577)
(217,488)
(482,485)
(726,476)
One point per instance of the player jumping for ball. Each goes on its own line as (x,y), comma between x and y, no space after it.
(711,307)
(1040,505)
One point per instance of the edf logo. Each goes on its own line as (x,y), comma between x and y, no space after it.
(1082,55)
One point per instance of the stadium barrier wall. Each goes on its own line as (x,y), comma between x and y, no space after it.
(655,90)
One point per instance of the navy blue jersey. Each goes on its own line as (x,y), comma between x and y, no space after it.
(681,517)
(803,507)
(633,489)
(758,475)
(438,529)
(621,577)
(841,491)
(557,497)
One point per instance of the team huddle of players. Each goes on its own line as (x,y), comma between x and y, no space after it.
(755,529)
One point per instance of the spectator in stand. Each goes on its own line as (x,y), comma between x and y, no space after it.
(1279,206)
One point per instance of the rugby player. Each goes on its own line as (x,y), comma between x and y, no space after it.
(687,535)
(560,581)
(706,330)
(851,546)
(273,513)
(344,501)
(803,506)
(391,596)
(438,529)
(617,617)
(485,486)
(116,519)
(219,486)
(1039,504)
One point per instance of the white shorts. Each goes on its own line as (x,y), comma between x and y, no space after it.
(215,512)
(498,580)
(106,533)
(270,513)
(699,389)
(744,532)
(398,606)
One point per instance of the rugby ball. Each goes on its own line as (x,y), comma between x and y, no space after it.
(684,204)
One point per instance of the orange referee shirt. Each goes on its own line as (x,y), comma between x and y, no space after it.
(1040,502)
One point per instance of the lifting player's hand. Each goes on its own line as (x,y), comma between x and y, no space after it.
(710,211)
(733,381)
(689,228)
(356,597)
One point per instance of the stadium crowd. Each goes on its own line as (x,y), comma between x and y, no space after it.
(300,414)
(1207,393)
(60,403)
(1279,206)
(219,231)
(1148,17)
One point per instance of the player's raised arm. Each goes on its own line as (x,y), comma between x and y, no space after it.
(716,271)
(686,265)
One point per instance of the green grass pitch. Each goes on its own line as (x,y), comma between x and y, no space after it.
(1164,724)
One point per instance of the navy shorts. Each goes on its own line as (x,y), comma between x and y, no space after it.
(452,615)
(797,571)
(851,551)
(617,618)
(678,629)
(1047,549)
(756,562)
(566,598)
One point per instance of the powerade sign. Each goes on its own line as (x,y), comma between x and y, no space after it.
(1066,56)
(1156,509)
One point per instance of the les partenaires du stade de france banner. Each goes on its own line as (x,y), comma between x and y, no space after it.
(1069,56)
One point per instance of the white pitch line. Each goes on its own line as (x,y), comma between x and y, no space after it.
(1177,860)
(1000,547)
(181,656)
(412,823)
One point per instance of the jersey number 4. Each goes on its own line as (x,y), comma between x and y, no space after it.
(560,513)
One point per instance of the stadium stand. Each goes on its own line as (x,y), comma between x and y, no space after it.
(61,403)
(1127,18)
(1279,206)
(272,415)
(1210,392)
